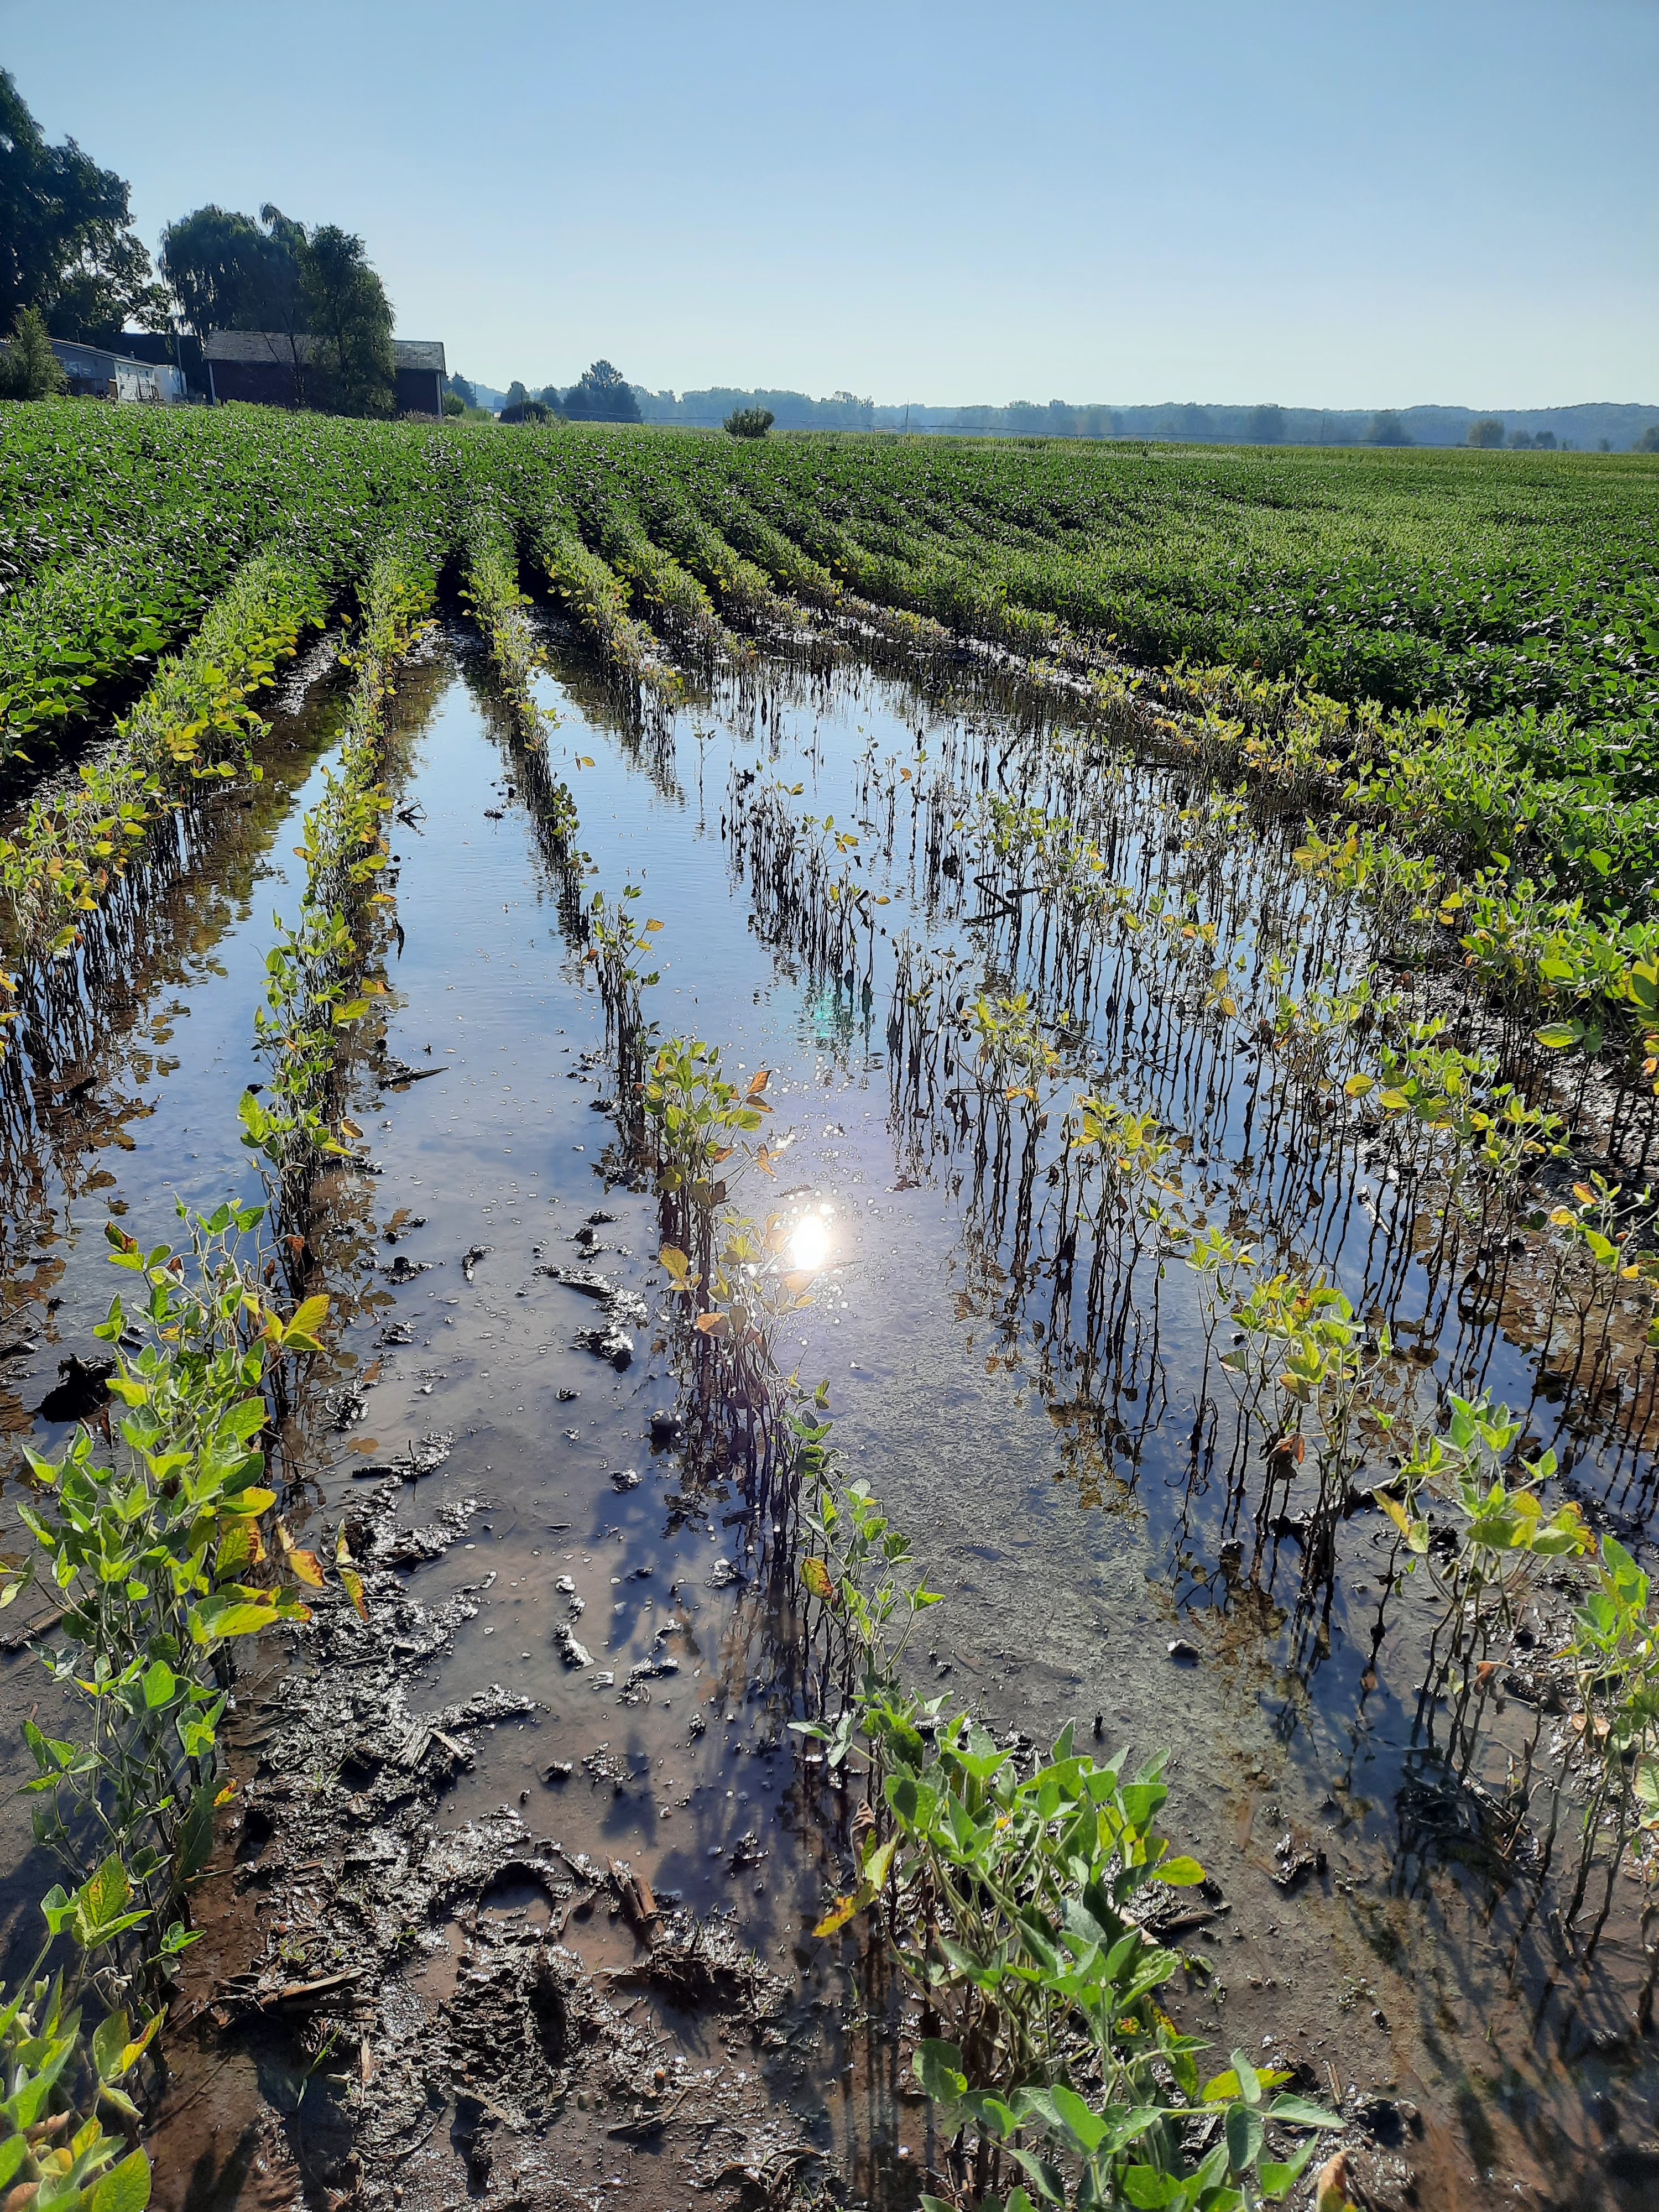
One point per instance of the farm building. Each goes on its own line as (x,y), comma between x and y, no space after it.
(267,368)
(96,373)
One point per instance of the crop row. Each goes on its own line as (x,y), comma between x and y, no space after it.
(163,1554)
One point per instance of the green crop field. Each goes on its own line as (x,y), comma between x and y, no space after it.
(1462,649)
(1497,580)
(1329,833)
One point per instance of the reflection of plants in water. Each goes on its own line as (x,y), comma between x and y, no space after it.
(616,954)
(1297,1070)
(1353,1073)
(735,1282)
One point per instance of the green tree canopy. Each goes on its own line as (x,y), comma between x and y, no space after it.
(66,241)
(1488,431)
(29,369)
(229,272)
(1265,426)
(601,394)
(350,316)
(1386,429)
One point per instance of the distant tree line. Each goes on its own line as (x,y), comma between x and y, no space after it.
(1611,427)
(600,394)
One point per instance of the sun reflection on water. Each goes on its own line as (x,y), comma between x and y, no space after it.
(810,1243)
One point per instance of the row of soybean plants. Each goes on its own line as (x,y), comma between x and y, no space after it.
(157,1555)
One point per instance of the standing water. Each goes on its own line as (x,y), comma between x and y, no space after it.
(568,1715)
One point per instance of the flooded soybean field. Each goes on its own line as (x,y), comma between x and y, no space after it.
(1129,1298)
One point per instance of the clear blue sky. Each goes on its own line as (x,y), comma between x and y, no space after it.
(1346,203)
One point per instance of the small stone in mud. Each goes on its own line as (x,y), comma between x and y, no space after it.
(566,1586)
(81,1392)
(613,1344)
(470,1258)
(569,1397)
(561,1770)
(665,1428)
(573,1653)
(1183,1653)
(404,1270)
(625,1478)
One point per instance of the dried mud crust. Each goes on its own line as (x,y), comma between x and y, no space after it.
(448,2042)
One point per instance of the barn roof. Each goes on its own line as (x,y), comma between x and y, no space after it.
(278,346)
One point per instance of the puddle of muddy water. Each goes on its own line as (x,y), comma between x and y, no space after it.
(1057,1491)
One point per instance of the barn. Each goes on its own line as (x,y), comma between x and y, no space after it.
(267,368)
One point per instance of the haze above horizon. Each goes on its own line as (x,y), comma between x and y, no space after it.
(1379,206)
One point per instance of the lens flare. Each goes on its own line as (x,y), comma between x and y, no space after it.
(809,1245)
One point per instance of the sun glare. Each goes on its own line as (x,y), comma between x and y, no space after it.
(809,1245)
